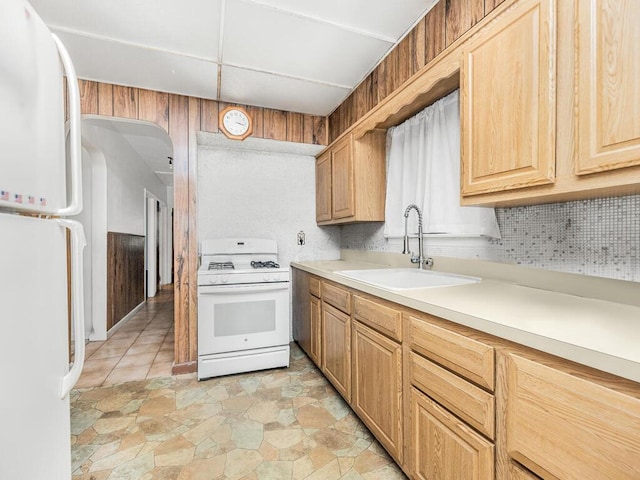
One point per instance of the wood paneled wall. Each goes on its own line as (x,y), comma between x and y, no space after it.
(182,117)
(439,28)
(125,275)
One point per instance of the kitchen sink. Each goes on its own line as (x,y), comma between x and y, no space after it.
(406,278)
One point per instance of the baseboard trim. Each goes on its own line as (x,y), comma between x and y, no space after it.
(185,367)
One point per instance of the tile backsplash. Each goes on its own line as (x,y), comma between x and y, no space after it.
(598,237)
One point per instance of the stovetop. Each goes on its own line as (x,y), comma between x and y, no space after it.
(240,261)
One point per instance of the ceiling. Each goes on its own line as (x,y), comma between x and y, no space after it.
(296,55)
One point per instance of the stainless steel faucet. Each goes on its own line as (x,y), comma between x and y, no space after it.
(420,260)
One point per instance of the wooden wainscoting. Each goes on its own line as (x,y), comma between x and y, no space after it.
(125,275)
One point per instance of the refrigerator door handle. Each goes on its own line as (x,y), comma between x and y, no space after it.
(78,242)
(75,151)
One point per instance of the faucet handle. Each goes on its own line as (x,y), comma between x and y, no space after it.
(415,258)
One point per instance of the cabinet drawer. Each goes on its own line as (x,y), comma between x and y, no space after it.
(384,319)
(470,358)
(314,286)
(336,296)
(470,403)
(565,426)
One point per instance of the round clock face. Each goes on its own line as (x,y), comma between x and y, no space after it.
(236,122)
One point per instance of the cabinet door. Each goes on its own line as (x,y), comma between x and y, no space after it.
(444,448)
(316,332)
(377,386)
(342,182)
(323,187)
(508,104)
(561,426)
(608,86)
(336,349)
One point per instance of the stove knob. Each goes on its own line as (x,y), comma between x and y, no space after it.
(224,279)
(266,277)
(213,280)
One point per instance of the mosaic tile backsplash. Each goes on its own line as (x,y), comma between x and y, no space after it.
(598,237)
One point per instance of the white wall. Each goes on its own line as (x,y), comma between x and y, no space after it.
(127,177)
(266,190)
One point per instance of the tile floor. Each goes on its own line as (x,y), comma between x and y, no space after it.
(141,348)
(281,424)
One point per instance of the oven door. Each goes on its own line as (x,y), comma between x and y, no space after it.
(242,317)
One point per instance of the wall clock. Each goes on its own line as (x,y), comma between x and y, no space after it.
(235,122)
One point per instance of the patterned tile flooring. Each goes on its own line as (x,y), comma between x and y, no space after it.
(141,348)
(276,424)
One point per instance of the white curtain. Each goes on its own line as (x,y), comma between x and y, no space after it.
(423,167)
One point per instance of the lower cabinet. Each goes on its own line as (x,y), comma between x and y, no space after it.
(560,425)
(336,349)
(438,395)
(377,386)
(442,447)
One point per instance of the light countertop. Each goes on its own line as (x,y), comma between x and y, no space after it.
(597,332)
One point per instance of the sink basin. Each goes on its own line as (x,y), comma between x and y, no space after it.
(406,278)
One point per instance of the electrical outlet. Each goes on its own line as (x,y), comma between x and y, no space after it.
(301,239)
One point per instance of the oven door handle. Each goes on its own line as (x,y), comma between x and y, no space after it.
(244,288)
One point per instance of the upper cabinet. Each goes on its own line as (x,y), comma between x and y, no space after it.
(550,103)
(608,85)
(342,180)
(508,106)
(350,180)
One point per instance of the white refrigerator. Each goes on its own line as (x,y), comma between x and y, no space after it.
(40,188)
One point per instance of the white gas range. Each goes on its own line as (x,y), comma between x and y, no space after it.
(243,307)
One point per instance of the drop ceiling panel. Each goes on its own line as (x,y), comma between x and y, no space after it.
(283,93)
(106,61)
(266,39)
(378,17)
(183,27)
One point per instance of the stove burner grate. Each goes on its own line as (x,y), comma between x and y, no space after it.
(269,264)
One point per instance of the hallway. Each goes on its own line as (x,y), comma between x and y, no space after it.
(142,348)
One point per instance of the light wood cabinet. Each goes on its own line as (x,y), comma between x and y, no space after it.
(380,316)
(323,187)
(448,402)
(443,447)
(560,424)
(508,105)
(595,141)
(336,296)
(472,404)
(342,181)
(470,358)
(377,386)
(608,88)
(350,180)
(336,349)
